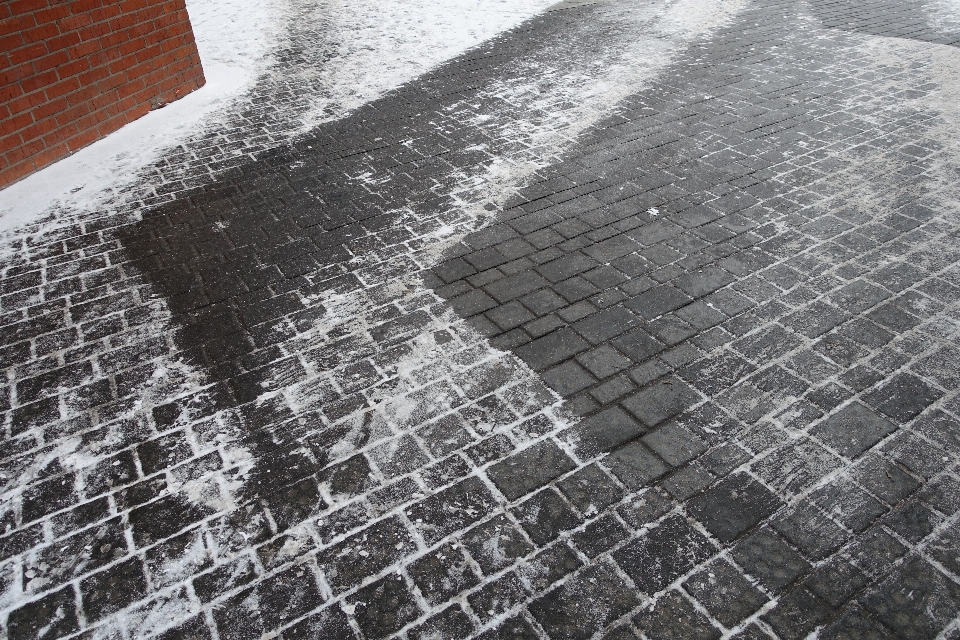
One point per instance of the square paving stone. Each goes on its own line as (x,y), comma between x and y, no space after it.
(663,553)
(635,465)
(604,361)
(704,281)
(496,544)
(846,502)
(674,443)
(769,559)
(886,480)
(600,535)
(836,582)
(638,345)
(726,594)
(442,574)
(472,303)
(913,522)
(903,397)
(875,551)
(590,489)
(855,624)
(510,315)
(687,482)
(530,469)
(945,549)
(568,378)
(853,430)
(733,506)
(813,533)
(661,401)
(796,614)
(586,604)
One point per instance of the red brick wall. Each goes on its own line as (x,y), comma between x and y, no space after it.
(72,71)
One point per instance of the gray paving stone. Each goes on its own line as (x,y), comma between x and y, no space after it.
(566,613)
(663,554)
(675,617)
(768,558)
(530,469)
(734,506)
(853,430)
(725,593)
(603,431)
(661,401)
(915,601)
(635,465)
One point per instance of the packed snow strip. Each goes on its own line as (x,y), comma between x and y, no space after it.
(387,44)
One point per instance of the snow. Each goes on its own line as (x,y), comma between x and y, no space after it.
(387,44)
(944,16)
(235,39)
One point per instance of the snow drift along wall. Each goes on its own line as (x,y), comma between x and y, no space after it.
(72,71)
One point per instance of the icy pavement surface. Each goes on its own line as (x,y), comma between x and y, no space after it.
(638,319)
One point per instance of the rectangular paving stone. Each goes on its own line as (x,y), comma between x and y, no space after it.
(661,401)
(552,348)
(452,509)
(519,284)
(604,325)
(603,431)
(658,301)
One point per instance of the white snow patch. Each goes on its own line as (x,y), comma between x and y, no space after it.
(944,16)
(377,46)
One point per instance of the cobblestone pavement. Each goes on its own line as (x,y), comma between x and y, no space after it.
(639,320)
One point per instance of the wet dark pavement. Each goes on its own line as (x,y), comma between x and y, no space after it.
(697,378)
